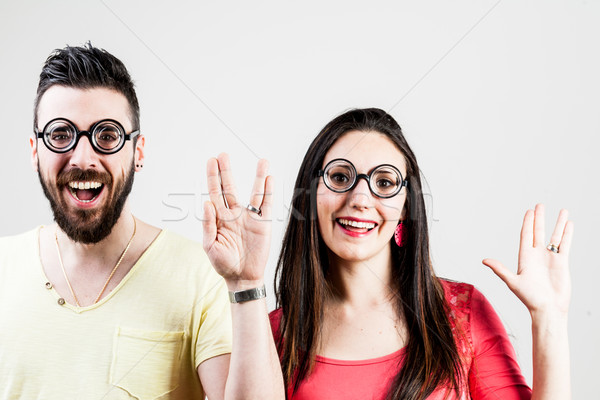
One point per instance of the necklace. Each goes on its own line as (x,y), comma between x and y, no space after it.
(111,273)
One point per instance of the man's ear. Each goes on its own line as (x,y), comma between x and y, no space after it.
(34,153)
(138,157)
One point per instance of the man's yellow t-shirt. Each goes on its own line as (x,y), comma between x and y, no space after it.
(142,341)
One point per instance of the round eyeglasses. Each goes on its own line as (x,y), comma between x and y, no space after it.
(106,136)
(384,181)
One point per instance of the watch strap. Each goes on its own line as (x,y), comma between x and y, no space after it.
(248,295)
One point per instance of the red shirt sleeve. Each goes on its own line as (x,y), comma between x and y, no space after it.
(494,372)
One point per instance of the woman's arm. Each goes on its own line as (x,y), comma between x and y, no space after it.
(543,284)
(237,239)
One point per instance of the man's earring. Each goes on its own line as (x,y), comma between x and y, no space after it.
(400,234)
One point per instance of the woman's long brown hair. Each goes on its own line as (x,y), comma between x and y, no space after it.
(432,359)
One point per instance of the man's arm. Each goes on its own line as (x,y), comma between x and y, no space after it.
(213,375)
(252,371)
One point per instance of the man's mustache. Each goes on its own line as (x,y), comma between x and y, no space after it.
(78,174)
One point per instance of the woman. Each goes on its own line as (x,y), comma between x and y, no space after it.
(362,314)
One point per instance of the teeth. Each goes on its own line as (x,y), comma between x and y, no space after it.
(84,185)
(357,224)
(73,186)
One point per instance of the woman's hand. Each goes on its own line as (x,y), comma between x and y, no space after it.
(236,239)
(542,281)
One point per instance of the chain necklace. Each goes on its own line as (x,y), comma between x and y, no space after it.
(111,273)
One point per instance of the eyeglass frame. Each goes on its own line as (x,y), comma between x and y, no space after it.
(89,133)
(403,183)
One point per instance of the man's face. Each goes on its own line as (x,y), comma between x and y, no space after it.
(87,190)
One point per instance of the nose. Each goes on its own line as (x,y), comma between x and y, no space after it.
(83,154)
(360,195)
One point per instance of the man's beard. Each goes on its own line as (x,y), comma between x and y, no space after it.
(88,226)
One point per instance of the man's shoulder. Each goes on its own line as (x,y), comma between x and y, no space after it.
(15,242)
(173,249)
(178,261)
(174,242)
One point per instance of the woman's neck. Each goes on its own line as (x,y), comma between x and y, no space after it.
(361,319)
(361,282)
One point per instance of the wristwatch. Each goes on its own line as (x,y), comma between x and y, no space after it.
(248,295)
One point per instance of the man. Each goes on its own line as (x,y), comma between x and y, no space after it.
(101,305)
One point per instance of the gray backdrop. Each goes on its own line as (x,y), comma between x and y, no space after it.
(499,100)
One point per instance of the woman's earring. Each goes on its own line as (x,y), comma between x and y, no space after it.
(400,234)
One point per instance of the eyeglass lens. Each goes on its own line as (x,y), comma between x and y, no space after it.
(106,135)
(341,176)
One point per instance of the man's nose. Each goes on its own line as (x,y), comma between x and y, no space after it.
(84,156)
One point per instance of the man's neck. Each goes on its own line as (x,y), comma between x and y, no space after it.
(90,267)
(106,249)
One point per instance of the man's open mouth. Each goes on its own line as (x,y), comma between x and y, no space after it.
(85,191)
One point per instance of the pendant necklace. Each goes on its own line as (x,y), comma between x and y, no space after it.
(109,277)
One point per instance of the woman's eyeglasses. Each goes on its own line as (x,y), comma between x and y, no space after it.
(384,181)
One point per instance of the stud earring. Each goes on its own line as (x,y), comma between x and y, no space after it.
(400,234)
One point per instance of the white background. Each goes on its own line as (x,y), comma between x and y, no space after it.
(499,100)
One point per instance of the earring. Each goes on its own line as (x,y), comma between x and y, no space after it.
(400,234)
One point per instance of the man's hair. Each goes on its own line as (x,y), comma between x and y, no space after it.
(87,67)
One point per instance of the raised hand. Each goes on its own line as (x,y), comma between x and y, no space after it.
(237,239)
(542,281)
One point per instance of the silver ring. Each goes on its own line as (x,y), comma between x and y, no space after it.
(553,248)
(250,207)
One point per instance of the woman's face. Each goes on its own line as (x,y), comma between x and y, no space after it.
(357,225)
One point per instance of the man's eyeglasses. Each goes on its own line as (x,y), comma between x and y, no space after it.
(106,136)
(384,181)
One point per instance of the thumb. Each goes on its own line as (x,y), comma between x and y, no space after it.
(500,270)
(209,225)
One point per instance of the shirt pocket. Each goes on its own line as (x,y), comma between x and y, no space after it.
(146,364)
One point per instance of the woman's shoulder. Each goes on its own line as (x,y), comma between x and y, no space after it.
(458,294)
(275,316)
(458,297)
(275,320)
(462,296)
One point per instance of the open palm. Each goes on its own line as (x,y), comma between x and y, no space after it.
(542,281)
(237,239)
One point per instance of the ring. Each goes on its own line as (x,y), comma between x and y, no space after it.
(250,207)
(553,248)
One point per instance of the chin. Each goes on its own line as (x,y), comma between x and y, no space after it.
(352,256)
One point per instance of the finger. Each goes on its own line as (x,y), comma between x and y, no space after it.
(559,228)
(209,225)
(215,191)
(565,242)
(267,203)
(538,227)
(227,183)
(526,233)
(501,271)
(258,188)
